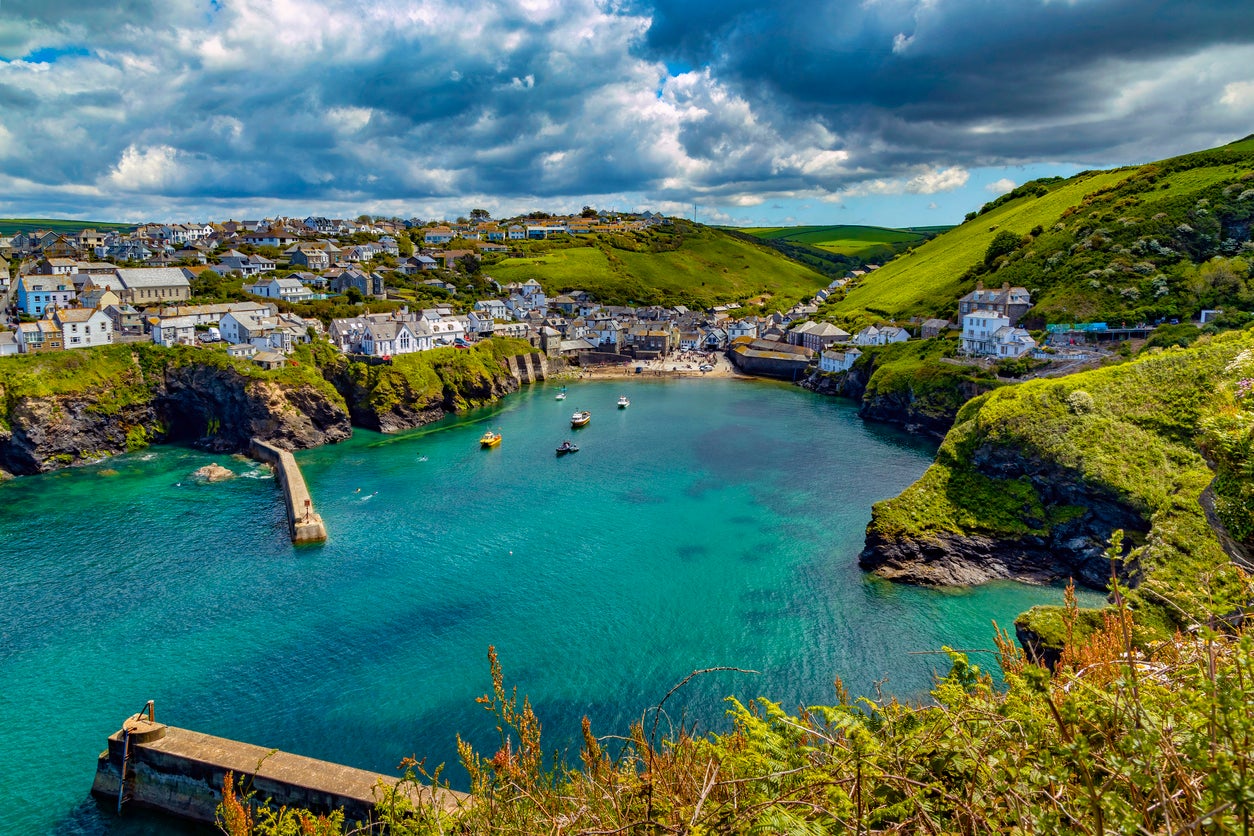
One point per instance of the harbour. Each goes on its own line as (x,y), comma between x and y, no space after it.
(712,523)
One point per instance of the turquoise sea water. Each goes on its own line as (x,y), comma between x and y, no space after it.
(713,523)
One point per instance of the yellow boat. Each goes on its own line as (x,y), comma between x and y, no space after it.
(580,418)
(490,439)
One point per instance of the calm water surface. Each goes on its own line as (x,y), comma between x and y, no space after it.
(713,523)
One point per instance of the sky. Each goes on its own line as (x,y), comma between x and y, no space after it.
(887,112)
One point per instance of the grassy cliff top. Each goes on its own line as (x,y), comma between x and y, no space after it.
(1135,432)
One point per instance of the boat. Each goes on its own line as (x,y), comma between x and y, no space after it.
(567,447)
(490,439)
(580,418)
(623,403)
(561,396)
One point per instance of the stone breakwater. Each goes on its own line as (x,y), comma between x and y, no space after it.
(303,522)
(181,772)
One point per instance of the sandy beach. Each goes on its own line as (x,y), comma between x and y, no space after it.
(680,364)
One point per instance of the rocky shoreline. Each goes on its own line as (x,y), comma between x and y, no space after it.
(219,409)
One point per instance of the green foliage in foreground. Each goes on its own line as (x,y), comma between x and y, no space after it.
(686,264)
(1115,740)
(1133,433)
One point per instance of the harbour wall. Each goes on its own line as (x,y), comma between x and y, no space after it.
(303,522)
(528,368)
(181,772)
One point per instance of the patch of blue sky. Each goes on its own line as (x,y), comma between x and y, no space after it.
(51,55)
(898,210)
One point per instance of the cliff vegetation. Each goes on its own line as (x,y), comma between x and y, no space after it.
(1033,479)
(1116,739)
(72,407)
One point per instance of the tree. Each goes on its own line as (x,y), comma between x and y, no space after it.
(480,215)
(1004,243)
(588,212)
(354,296)
(404,245)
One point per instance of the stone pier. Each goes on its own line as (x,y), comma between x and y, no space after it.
(181,772)
(302,521)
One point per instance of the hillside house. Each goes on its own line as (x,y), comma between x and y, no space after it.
(38,337)
(174,330)
(287,289)
(838,361)
(36,294)
(1010,302)
(83,327)
(153,285)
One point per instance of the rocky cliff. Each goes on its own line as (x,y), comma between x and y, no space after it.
(417,389)
(904,384)
(77,407)
(141,396)
(1064,531)
(1033,480)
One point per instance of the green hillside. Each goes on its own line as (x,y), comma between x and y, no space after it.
(1149,435)
(928,280)
(684,264)
(1130,244)
(865,243)
(12,226)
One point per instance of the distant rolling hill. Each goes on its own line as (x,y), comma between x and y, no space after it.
(1132,244)
(12,226)
(680,263)
(865,243)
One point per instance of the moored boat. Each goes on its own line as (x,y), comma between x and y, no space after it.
(623,403)
(490,439)
(580,418)
(567,447)
(561,396)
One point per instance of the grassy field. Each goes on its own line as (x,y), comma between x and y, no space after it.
(928,280)
(12,226)
(693,265)
(868,243)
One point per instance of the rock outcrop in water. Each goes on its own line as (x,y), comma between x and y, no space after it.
(923,396)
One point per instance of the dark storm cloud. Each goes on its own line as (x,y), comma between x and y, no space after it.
(187,103)
(923,78)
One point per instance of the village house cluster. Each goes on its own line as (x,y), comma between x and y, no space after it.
(70,294)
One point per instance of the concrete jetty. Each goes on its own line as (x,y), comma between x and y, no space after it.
(302,521)
(181,772)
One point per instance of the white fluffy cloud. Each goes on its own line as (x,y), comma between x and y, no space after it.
(1000,187)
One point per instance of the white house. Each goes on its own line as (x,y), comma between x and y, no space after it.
(978,330)
(174,330)
(389,337)
(1013,342)
(287,289)
(83,327)
(494,308)
(838,361)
